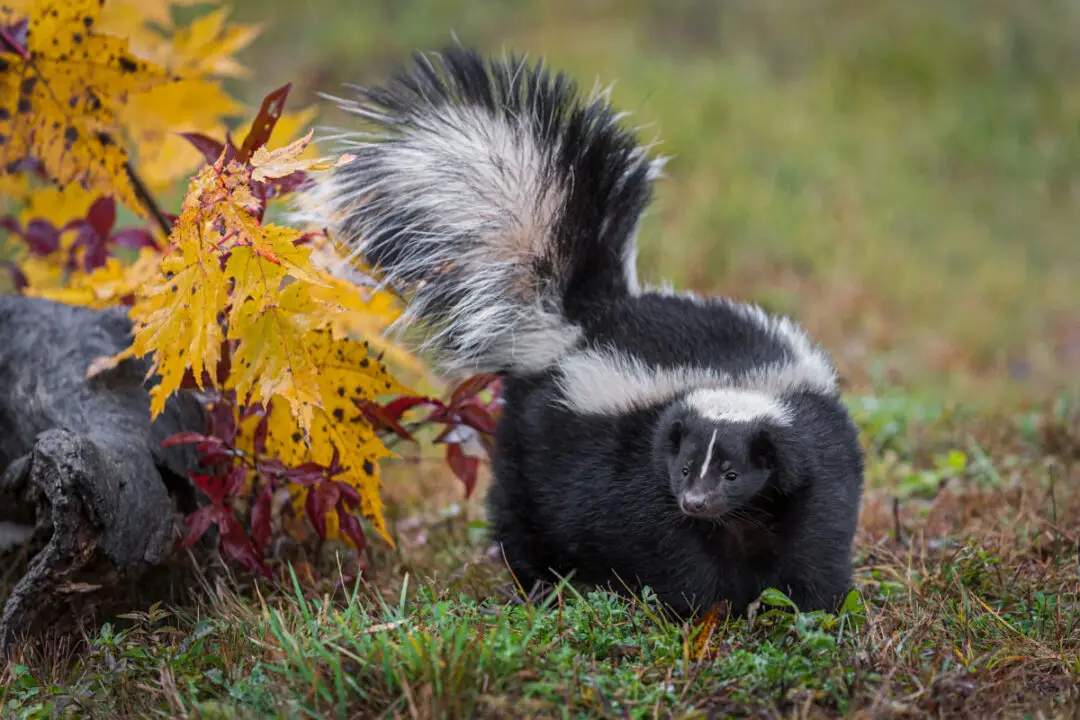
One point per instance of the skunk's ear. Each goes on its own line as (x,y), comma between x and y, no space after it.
(675,434)
(763,450)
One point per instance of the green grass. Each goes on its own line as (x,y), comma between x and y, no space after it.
(966,605)
(899,176)
(449,655)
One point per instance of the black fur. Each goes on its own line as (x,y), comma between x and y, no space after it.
(592,494)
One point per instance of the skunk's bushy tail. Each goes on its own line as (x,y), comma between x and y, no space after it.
(499,201)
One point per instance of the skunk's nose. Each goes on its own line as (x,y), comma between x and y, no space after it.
(692,504)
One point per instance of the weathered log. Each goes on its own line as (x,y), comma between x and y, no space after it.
(81,459)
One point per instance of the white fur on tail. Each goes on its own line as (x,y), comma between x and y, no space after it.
(495,205)
(461,196)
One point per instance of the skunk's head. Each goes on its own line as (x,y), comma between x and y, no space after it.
(719,449)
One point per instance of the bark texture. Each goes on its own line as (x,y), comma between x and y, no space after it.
(80,460)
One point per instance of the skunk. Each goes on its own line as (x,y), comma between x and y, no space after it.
(697,446)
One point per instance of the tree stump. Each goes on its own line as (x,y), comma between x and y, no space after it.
(80,460)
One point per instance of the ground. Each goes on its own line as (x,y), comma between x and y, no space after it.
(900,178)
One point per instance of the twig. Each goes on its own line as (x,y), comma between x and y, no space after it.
(897,526)
(147,199)
(1051,472)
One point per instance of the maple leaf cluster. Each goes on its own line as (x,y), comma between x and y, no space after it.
(239,310)
(103,106)
(90,89)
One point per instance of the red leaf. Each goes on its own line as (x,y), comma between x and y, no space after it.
(321,499)
(440,414)
(197,523)
(42,237)
(270,467)
(350,525)
(262,429)
(102,216)
(378,418)
(210,148)
(234,481)
(308,473)
(185,438)
(224,366)
(223,422)
(263,124)
(477,418)
(249,411)
(398,407)
(284,185)
(306,238)
(134,239)
(209,457)
(464,466)
(188,381)
(349,495)
(468,387)
(18,279)
(335,464)
(235,542)
(311,509)
(211,486)
(260,518)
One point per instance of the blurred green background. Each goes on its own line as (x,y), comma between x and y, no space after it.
(901,176)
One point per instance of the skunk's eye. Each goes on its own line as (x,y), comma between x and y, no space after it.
(731,475)
(686,471)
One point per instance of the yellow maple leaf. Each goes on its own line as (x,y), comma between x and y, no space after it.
(236,208)
(269,323)
(361,311)
(105,286)
(41,272)
(58,205)
(155,120)
(286,318)
(134,20)
(138,20)
(122,17)
(58,103)
(347,372)
(176,313)
(207,45)
(286,160)
(358,312)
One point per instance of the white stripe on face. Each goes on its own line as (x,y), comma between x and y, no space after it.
(708,456)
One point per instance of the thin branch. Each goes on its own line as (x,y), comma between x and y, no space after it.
(147,199)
